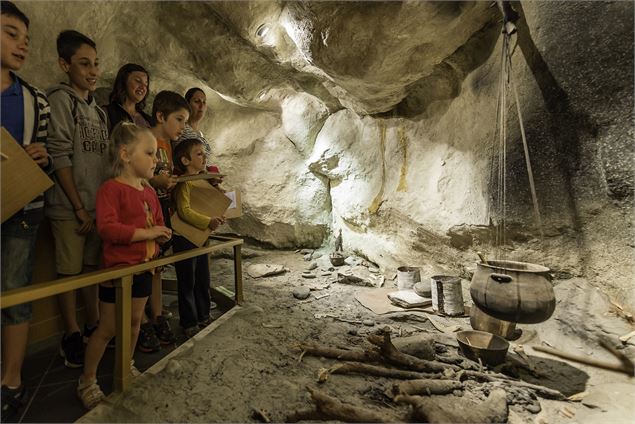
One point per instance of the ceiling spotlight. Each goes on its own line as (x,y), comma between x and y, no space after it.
(262,30)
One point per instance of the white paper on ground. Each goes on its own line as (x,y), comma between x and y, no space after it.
(232,197)
(409,299)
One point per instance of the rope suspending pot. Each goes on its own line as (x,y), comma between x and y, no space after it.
(518,292)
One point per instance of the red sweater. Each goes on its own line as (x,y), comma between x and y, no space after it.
(121,209)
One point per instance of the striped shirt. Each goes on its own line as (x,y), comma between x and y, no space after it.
(188,133)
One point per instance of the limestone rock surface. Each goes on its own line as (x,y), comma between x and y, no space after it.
(380,119)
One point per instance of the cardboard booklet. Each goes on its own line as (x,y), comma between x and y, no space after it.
(203,176)
(205,199)
(22,179)
(234,210)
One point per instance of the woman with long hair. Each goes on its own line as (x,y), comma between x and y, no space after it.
(128,97)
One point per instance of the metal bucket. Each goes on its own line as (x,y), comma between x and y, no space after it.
(447,297)
(407,277)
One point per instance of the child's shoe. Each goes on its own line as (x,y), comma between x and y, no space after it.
(190,331)
(89,393)
(148,341)
(163,331)
(205,322)
(12,402)
(72,350)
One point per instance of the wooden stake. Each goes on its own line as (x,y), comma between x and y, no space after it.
(622,367)
(359,368)
(337,410)
(456,410)
(393,355)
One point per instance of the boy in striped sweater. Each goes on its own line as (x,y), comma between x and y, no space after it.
(25,115)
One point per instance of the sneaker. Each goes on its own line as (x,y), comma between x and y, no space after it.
(72,350)
(212,305)
(165,312)
(148,341)
(205,322)
(163,331)
(88,332)
(190,331)
(89,393)
(12,402)
(134,370)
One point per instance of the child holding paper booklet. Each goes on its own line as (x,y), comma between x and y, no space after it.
(192,274)
(24,113)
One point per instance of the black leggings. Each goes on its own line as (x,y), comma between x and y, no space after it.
(193,285)
(141,287)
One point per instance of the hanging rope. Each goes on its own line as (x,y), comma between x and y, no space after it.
(530,172)
(500,133)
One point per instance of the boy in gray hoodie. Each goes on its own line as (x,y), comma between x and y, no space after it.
(78,144)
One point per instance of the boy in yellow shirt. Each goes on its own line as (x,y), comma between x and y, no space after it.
(192,274)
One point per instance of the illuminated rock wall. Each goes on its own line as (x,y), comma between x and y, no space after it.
(379,119)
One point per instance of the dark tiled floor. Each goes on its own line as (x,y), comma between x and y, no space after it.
(51,386)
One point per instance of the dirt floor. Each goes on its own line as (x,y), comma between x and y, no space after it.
(250,361)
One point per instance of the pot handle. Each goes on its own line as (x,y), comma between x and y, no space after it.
(501,278)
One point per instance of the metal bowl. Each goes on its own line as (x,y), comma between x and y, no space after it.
(491,349)
(337,259)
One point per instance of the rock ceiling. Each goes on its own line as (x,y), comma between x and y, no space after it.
(367,57)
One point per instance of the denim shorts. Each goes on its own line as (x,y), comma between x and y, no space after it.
(19,234)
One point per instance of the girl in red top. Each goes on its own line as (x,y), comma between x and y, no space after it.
(130,224)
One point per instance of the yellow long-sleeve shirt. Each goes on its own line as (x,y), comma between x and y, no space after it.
(184,208)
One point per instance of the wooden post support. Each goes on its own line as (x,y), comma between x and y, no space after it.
(123,314)
(238,274)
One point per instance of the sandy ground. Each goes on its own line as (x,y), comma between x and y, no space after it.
(249,360)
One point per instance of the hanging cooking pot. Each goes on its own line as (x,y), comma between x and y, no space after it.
(513,291)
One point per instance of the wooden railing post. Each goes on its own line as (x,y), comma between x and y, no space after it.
(238,274)
(122,278)
(123,311)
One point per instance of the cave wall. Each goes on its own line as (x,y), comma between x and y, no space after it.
(379,118)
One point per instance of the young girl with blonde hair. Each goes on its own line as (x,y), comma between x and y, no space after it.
(130,223)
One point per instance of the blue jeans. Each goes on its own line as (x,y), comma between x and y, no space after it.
(18,245)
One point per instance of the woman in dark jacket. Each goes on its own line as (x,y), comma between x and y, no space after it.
(128,97)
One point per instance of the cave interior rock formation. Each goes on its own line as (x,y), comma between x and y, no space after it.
(379,119)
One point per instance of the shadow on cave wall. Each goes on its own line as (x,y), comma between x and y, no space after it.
(554,136)
(445,81)
(565,124)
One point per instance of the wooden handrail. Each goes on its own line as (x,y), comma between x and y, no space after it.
(122,281)
(63,285)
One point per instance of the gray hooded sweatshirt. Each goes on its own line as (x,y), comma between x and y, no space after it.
(78,138)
